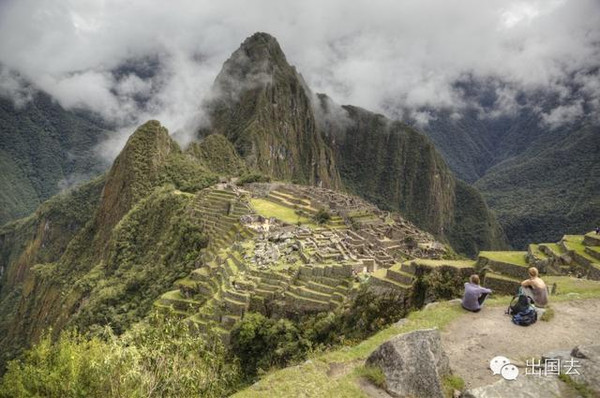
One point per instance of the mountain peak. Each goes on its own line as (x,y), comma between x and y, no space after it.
(262,47)
(253,64)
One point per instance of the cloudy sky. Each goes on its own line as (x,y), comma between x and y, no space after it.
(379,54)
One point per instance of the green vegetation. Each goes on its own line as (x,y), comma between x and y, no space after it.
(253,177)
(550,189)
(583,390)
(270,209)
(568,288)
(156,359)
(548,315)
(517,258)
(262,343)
(310,378)
(322,216)
(217,154)
(372,373)
(43,149)
(452,383)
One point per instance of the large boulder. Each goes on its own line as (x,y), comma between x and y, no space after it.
(414,364)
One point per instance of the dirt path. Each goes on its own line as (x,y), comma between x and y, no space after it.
(475,338)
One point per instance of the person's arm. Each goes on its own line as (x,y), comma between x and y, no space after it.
(485,290)
(527,282)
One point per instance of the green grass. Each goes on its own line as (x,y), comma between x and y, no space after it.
(554,247)
(569,288)
(584,390)
(517,258)
(535,250)
(269,209)
(440,263)
(452,383)
(372,373)
(548,315)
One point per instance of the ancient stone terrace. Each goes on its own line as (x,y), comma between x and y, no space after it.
(576,255)
(279,261)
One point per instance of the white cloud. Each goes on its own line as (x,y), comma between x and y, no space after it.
(375,54)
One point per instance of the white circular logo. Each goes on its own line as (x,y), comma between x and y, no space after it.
(509,371)
(497,363)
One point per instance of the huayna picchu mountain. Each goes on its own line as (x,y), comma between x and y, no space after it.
(191,232)
(282,129)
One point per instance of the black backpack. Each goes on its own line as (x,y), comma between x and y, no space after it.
(519,303)
(525,318)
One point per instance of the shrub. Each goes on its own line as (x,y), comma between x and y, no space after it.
(322,216)
(261,343)
(253,177)
(161,358)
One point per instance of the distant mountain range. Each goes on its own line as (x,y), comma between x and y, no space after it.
(541,180)
(43,149)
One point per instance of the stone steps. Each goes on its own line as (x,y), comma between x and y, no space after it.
(593,252)
(400,276)
(319,287)
(235,295)
(175,299)
(389,283)
(309,293)
(502,265)
(408,268)
(591,239)
(305,303)
(234,307)
(291,198)
(323,280)
(551,249)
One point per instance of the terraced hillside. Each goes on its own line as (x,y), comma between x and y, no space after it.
(577,255)
(268,254)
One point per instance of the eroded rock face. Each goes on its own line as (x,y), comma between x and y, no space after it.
(414,364)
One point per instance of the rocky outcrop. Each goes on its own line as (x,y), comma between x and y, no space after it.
(414,364)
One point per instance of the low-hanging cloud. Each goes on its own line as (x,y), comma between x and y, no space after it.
(383,55)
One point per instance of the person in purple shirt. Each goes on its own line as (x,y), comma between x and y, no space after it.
(475,295)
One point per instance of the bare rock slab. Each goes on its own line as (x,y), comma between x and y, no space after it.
(522,387)
(414,364)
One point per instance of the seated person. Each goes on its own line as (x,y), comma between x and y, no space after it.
(535,288)
(474,294)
